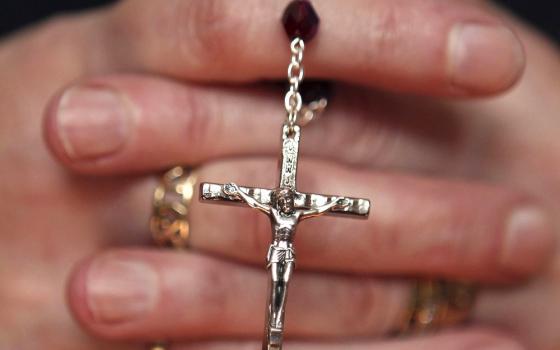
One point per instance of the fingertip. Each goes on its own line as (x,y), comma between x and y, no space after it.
(113,292)
(50,132)
(87,123)
(76,293)
(528,242)
(484,59)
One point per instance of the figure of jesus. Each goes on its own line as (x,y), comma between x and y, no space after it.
(284,217)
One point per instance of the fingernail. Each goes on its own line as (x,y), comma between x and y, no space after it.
(121,289)
(93,122)
(484,57)
(528,240)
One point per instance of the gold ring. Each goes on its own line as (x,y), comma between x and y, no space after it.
(169,222)
(439,303)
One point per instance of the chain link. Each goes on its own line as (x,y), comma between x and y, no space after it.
(293,100)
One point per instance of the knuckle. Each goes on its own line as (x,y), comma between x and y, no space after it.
(373,140)
(186,35)
(203,119)
(212,286)
(364,311)
(373,309)
(213,30)
(383,30)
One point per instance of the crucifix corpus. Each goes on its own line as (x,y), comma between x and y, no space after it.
(285,207)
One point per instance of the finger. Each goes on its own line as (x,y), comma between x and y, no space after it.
(106,125)
(146,295)
(472,339)
(430,47)
(417,225)
(460,236)
(142,295)
(133,123)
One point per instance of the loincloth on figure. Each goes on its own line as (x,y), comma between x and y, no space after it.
(278,255)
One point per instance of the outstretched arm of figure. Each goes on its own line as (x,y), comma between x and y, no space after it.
(234,190)
(338,202)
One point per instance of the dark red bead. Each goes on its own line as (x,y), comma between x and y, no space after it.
(300,20)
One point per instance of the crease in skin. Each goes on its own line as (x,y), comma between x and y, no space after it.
(382,131)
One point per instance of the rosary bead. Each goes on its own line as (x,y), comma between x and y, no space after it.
(300,20)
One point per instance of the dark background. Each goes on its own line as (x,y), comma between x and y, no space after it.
(544,14)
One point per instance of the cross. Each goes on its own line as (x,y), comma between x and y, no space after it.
(285,207)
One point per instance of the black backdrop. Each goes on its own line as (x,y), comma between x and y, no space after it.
(14,14)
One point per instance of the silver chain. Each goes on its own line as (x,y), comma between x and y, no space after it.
(293,100)
(299,113)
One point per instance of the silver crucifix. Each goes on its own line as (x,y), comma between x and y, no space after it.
(286,208)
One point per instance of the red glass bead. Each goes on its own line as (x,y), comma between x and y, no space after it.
(300,20)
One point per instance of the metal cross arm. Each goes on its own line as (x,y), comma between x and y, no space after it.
(356,207)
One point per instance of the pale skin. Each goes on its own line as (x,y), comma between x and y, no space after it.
(445,176)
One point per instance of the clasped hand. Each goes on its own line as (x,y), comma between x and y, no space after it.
(445,114)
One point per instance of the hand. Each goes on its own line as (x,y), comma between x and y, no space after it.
(451,201)
(133,124)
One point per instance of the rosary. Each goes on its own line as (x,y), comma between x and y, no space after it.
(284,205)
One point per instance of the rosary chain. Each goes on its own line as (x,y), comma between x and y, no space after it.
(293,100)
